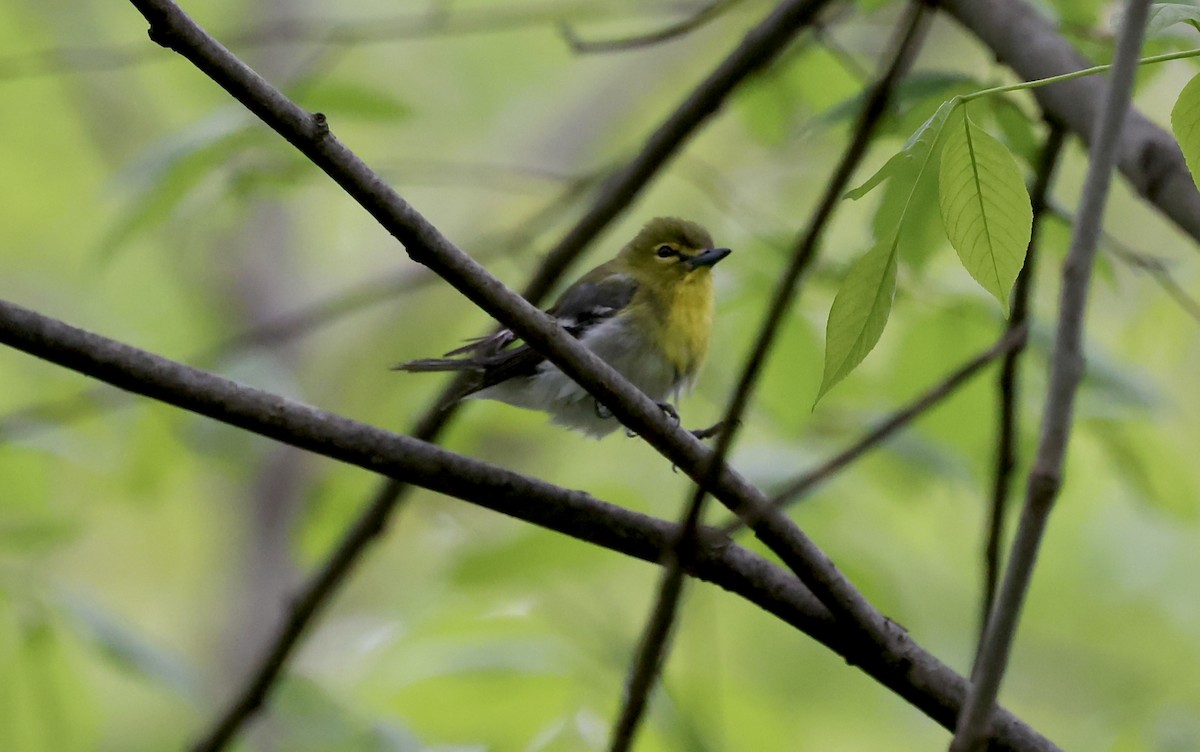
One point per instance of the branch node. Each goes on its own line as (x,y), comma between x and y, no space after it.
(320,126)
(161,33)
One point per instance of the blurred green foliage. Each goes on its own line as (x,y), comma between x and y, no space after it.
(145,554)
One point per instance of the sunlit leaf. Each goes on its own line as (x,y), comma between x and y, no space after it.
(985,206)
(908,213)
(1018,129)
(1185,123)
(859,313)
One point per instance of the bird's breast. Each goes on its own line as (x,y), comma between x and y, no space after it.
(688,323)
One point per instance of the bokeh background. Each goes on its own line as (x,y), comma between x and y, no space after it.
(145,553)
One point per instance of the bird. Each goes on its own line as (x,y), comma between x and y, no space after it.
(648,313)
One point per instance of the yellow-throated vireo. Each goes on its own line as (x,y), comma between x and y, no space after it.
(648,313)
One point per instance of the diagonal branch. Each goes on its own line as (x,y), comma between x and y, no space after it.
(652,648)
(904,667)
(1066,371)
(759,48)
(1006,430)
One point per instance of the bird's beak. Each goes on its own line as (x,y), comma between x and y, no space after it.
(707,258)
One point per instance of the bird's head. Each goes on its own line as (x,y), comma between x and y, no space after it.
(668,248)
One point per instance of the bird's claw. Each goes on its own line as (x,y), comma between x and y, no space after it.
(670,410)
(716,428)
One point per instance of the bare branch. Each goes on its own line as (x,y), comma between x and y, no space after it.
(1066,371)
(652,648)
(904,666)
(1006,430)
(1147,156)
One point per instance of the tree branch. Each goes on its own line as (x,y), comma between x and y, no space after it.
(652,648)
(1066,371)
(1006,430)
(1147,156)
(759,48)
(904,667)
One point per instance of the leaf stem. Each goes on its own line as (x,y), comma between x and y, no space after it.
(1181,55)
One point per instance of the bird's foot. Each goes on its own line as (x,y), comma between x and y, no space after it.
(670,410)
(602,412)
(704,434)
(667,408)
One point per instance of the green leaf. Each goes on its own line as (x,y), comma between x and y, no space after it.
(908,213)
(1165,15)
(1185,123)
(985,206)
(914,154)
(859,312)
(1017,128)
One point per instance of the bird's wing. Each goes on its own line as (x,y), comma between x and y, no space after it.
(588,302)
(581,307)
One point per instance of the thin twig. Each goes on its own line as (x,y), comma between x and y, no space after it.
(904,666)
(652,648)
(1006,385)
(1066,371)
(802,486)
(700,17)
(1157,267)
(758,49)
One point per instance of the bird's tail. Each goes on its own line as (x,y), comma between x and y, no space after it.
(437,364)
(470,378)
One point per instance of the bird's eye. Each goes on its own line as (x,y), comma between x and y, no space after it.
(666,251)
